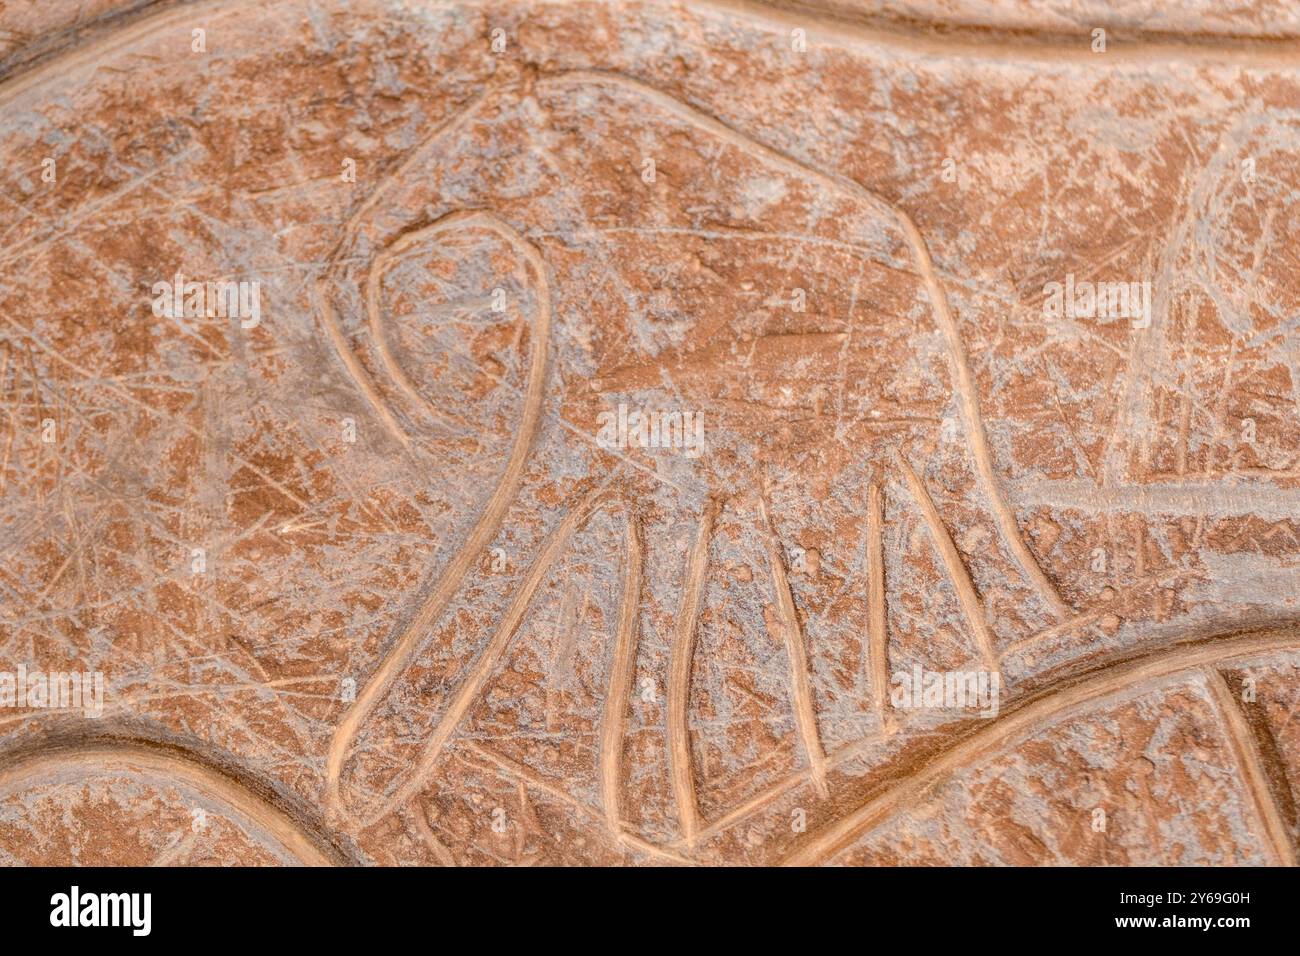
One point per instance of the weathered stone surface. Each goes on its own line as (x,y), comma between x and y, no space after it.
(366,582)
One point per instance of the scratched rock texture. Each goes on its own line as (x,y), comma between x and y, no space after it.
(435,621)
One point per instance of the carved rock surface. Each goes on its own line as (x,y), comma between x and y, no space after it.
(561,432)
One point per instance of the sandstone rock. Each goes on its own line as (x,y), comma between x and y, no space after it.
(559,432)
